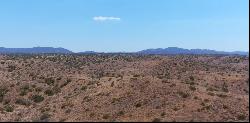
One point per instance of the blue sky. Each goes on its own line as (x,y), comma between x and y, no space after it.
(125,25)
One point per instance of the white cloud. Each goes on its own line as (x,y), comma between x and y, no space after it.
(102,18)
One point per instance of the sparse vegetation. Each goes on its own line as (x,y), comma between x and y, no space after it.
(123,87)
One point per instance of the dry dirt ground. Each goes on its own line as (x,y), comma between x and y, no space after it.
(124,88)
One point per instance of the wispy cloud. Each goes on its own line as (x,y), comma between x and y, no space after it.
(103,18)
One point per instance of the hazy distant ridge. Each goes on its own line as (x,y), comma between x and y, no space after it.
(176,50)
(35,50)
(160,51)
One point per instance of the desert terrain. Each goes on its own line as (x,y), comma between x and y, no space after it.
(124,87)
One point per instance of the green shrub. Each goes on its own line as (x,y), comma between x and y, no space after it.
(241,117)
(183,95)
(206,100)
(120,113)
(175,108)
(172,85)
(44,116)
(222,95)
(56,89)
(191,78)
(33,86)
(105,116)
(196,97)
(156,120)
(38,89)
(192,88)
(11,68)
(3,91)
(210,93)
(115,100)
(190,83)
(23,93)
(49,81)
(37,98)
(225,107)
(68,80)
(136,75)
(25,87)
(225,87)
(49,92)
(163,114)
(208,107)
(84,88)
(138,105)
(211,89)
(9,108)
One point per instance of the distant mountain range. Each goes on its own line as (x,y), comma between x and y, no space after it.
(35,50)
(176,50)
(159,51)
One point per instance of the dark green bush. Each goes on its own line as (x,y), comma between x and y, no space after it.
(138,105)
(105,116)
(49,92)
(9,108)
(49,81)
(192,88)
(241,117)
(37,98)
(156,120)
(183,95)
(3,91)
(191,78)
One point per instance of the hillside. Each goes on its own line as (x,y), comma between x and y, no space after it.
(124,88)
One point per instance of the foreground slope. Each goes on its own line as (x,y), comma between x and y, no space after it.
(124,88)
